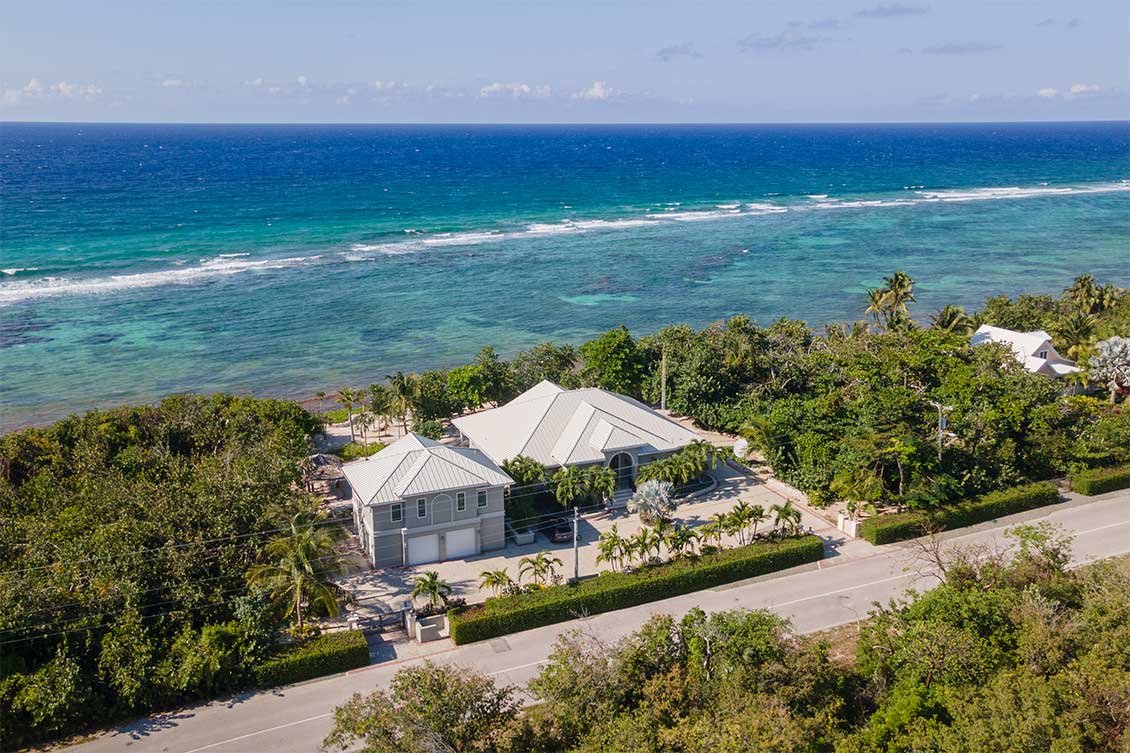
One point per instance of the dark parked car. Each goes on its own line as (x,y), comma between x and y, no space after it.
(562,532)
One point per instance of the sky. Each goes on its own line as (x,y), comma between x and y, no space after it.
(564,61)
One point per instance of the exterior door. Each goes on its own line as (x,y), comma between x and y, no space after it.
(423,549)
(461,543)
(622,463)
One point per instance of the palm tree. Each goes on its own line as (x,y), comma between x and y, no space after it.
(1076,333)
(321,395)
(610,547)
(1086,294)
(381,404)
(647,543)
(570,484)
(541,567)
(785,516)
(430,587)
(365,420)
(404,389)
(652,500)
(876,303)
(496,580)
(710,532)
(899,292)
(600,482)
(762,436)
(755,517)
(348,397)
(524,470)
(738,520)
(953,319)
(300,567)
(680,540)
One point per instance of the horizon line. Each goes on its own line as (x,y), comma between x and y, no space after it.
(562,123)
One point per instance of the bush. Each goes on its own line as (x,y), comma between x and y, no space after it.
(610,591)
(353,450)
(431,429)
(325,655)
(884,529)
(1100,480)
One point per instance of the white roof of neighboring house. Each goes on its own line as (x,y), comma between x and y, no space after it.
(415,465)
(1026,346)
(555,426)
(1023,344)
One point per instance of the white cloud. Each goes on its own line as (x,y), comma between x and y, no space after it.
(301,81)
(514,91)
(1048,92)
(174,83)
(600,91)
(35,89)
(1078,90)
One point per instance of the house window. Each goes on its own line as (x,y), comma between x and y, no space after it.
(461,501)
(397,513)
(421,508)
(1043,354)
(482,499)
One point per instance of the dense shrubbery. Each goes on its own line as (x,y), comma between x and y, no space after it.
(355,450)
(1008,657)
(610,591)
(1100,480)
(324,655)
(884,529)
(125,537)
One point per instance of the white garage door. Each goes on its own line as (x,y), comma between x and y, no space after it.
(460,543)
(423,549)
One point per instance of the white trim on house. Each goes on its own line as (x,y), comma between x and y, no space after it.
(463,523)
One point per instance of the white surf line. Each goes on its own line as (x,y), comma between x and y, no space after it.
(260,732)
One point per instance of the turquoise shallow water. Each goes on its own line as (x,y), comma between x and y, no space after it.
(142,260)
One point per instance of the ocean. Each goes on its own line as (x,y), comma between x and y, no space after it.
(141,260)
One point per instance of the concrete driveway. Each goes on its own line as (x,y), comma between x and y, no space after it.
(390,587)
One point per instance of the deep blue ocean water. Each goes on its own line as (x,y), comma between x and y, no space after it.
(140,260)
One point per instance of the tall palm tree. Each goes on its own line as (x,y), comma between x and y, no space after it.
(953,319)
(348,397)
(1076,334)
(762,436)
(380,403)
(600,481)
(496,580)
(899,291)
(404,388)
(876,303)
(570,484)
(301,562)
(1085,293)
(321,395)
(365,420)
(540,567)
(755,517)
(429,586)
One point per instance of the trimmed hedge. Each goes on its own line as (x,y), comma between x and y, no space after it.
(325,655)
(610,591)
(884,529)
(1101,480)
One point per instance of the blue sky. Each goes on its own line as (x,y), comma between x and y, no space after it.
(564,61)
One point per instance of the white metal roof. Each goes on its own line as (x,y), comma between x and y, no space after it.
(556,427)
(1023,344)
(415,465)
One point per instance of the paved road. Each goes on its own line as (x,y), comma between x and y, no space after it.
(838,590)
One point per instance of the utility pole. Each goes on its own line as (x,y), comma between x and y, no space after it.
(942,424)
(663,378)
(576,542)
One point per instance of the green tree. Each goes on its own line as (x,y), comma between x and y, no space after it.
(496,580)
(301,562)
(430,587)
(613,362)
(953,319)
(541,567)
(349,398)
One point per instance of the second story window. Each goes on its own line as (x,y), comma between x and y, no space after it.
(461,501)
(1043,354)
(421,508)
(397,513)
(482,499)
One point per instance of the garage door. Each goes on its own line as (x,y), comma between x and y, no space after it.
(461,543)
(423,549)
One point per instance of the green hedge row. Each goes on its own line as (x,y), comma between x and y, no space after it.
(611,591)
(325,655)
(1101,480)
(884,529)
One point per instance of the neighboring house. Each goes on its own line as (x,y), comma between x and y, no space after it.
(420,501)
(1034,350)
(559,427)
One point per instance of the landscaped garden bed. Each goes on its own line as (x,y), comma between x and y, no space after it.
(610,591)
(325,654)
(891,527)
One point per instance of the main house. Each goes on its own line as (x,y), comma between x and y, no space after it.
(419,501)
(559,427)
(1034,350)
